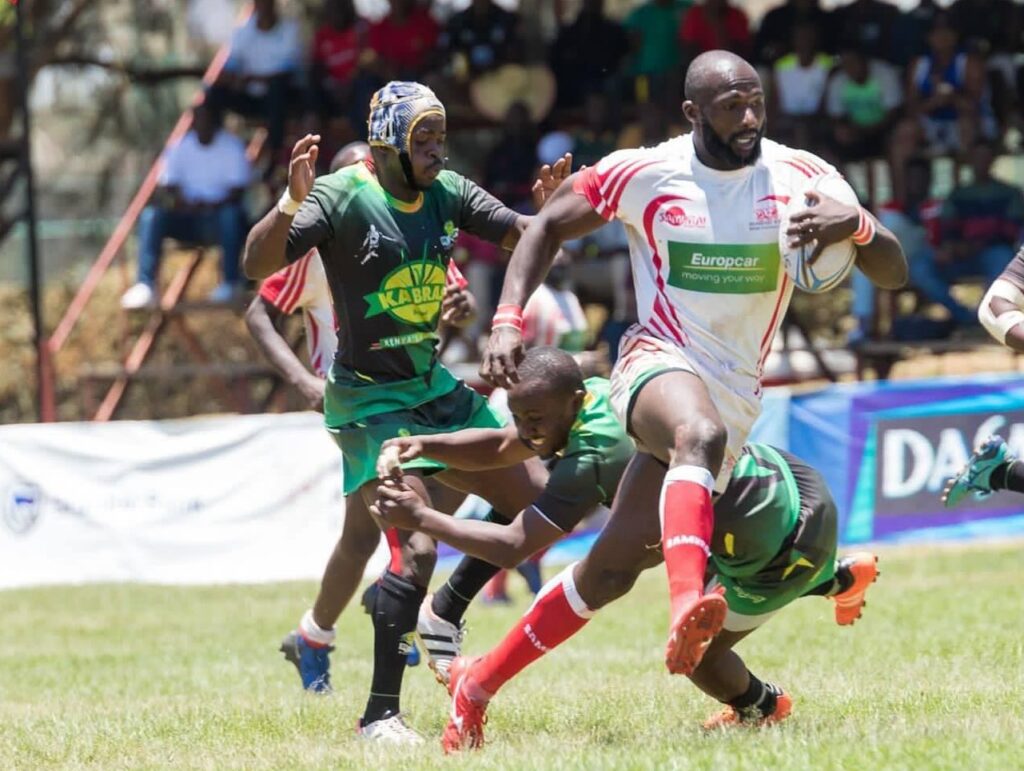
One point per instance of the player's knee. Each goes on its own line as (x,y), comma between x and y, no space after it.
(702,440)
(609,585)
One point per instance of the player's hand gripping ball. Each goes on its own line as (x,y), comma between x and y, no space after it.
(835,261)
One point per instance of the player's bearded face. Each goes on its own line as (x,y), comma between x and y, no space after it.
(740,146)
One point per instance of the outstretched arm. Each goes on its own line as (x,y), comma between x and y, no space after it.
(566,215)
(471,449)
(267,241)
(502,545)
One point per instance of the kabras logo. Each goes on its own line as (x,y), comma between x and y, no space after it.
(412,293)
(766,213)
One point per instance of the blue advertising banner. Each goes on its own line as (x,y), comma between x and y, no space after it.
(886,450)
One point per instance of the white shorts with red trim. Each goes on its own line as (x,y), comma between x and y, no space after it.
(642,356)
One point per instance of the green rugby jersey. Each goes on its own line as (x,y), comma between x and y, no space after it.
(386,262)
(587,471)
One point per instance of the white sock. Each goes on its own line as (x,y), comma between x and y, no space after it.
(314,634)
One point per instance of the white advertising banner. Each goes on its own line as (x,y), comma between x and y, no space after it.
(203,500)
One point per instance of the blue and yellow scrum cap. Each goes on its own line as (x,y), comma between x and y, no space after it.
(396,109)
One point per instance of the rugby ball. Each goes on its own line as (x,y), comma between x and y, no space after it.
(836,260)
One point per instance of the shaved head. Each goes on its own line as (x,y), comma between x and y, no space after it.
(725,105)
(714,72)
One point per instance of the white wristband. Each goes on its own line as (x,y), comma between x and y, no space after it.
(288,205)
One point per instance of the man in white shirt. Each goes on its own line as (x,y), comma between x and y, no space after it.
(259,76)
(199,200)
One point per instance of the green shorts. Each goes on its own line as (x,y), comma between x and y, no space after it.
(360,441)
(806,559)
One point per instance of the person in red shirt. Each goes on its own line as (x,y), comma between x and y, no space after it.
(404,41)
(715,24)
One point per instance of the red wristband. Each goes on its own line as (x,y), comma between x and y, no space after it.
(508,316)
(865,232)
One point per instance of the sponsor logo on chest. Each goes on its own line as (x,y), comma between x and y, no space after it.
(723,268)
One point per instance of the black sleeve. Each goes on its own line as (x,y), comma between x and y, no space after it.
(482,214)
(312,226)
(573,491)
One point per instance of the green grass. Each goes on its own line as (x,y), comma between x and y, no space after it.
(154,677)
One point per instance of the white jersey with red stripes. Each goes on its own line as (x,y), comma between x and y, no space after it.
(555,317)
(704,245)
(302,286)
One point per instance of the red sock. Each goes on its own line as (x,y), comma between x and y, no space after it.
(556,615)
(687,519)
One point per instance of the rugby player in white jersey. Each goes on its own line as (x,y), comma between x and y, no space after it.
(701,214)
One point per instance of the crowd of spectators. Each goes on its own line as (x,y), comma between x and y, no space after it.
(862,84)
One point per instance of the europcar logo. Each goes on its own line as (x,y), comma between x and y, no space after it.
(411,293)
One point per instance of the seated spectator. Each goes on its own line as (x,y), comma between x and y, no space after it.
(587,54)
(863,100)
(650,128)
(598,135)
(338,47)
(868,24)
(914,220)
(797,91)
(947,94)
(774,35)
(712,25)
(259,78)
(479,39)
(992,30)
(910,36)
(510,165)
(404,41)
(652,29)
(199,201)
(981,222)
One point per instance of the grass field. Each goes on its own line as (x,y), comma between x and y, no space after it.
(154,677)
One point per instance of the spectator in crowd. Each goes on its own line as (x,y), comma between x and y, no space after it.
(715,24)
(199,201)
(598,135)
(588,54)
(650,128)
(863,101)
(797,92)
(479,39)
(404,41)
(992,29)
(260,76)
(947,93)
(774,35)
(510,165)
(981,222)
(339,45)
(914,220)
(868,24)
(652,29)
(910,36)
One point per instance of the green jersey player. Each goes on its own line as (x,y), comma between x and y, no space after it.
(385,231)
(774,538)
